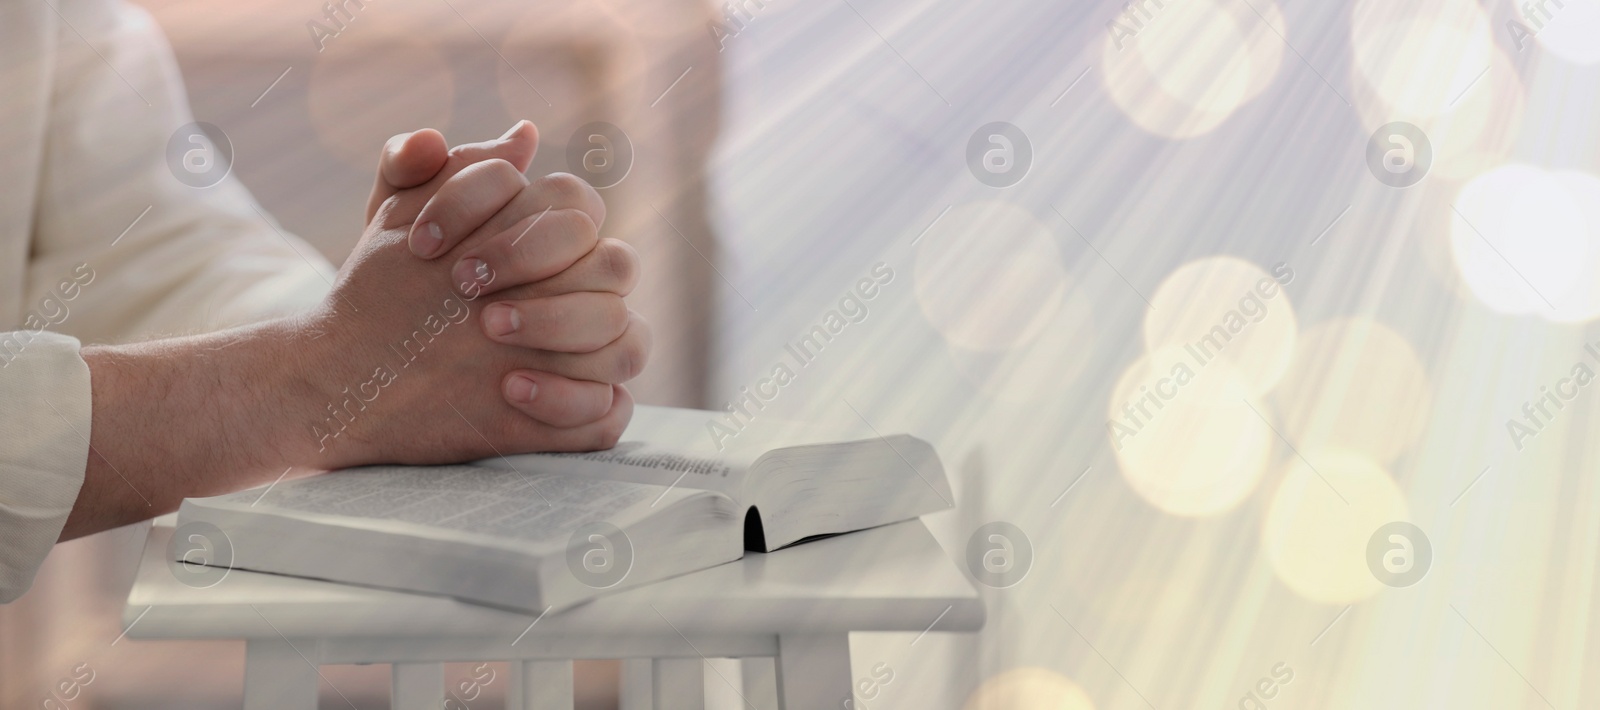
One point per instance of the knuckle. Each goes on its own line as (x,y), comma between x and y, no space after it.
(619,263)
(635,354)
(615,314)
(636,361)
(589,401)
(501,171)
(548,316)
(575,223)
(613,366)
(564,190)
(445,205)
(387,211)
(619,367)
(626,358)
(609,431)
(490,172)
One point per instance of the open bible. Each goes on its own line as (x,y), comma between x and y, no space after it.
(543,531)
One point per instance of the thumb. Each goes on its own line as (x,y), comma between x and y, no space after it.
(408,160)
(517,147)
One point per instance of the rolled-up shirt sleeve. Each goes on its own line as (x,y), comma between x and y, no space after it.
(120,250)
(44,428)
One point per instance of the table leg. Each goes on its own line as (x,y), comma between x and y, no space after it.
(760,682)
(638,684)
(276,677)
(725,687)
(540,685)
(814,672)
(416,686)
(680,684)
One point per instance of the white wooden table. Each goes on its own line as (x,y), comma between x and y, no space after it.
(796,606)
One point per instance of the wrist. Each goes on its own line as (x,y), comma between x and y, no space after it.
(305,361)
(188,417)
(261,381)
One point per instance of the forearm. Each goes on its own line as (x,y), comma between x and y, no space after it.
(191,416)
(396,365)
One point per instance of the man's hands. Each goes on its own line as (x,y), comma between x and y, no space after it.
(479,315)
(550,340)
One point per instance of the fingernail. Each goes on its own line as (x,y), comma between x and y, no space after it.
(521,388)
(471,274)
(502,319)
(426,238)
(397,142)
(513,130)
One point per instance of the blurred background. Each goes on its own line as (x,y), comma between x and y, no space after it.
(1263,325)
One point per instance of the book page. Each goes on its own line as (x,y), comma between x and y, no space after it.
(468,499)
(667,446)
(637,462)
(823,489)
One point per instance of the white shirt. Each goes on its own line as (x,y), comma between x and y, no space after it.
(100,242)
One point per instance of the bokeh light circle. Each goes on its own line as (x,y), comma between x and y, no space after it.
(1192,448)
(1527,240)
(1434,64)
(1355,385)
(1188,66)
(362,91)
(1227,310)
(1320,521)
(988,276)
(1420,58)
(1028,688)
(600,80)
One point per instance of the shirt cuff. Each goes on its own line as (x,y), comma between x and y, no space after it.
(44,430)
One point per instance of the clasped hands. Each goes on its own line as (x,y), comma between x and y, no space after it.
(480,314)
